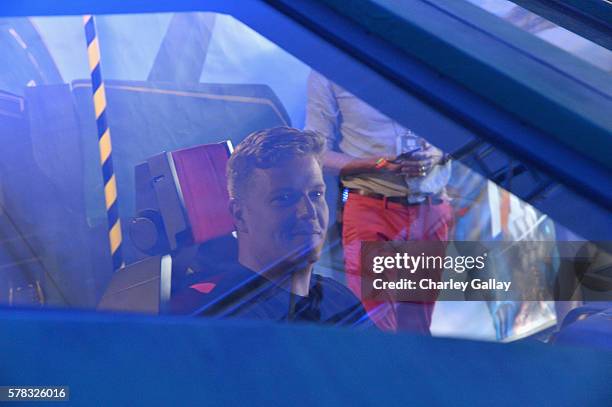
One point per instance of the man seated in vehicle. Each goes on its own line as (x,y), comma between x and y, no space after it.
(277,201)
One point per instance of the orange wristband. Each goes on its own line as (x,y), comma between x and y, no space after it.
(380,163)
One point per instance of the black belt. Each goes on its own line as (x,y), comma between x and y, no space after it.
(434,199)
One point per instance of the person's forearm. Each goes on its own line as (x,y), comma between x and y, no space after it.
(344,164)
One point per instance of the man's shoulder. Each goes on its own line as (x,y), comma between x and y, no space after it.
(209,289)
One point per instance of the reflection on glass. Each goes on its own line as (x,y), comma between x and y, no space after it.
(182,91)
(549,32)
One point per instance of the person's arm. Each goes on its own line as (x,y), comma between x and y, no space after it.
(322,111)
(344,164)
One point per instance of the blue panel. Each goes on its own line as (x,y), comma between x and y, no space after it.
(122,360)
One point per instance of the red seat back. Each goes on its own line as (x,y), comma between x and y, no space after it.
(202,177)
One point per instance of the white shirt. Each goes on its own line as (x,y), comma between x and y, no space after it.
(353,127)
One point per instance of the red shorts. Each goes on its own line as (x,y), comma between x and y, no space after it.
(370,219)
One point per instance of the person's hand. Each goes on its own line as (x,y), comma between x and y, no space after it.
(385,164)
(420,163)
(392,166)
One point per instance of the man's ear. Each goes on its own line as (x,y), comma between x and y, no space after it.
(237,210)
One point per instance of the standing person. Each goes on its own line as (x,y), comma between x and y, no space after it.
(395,182)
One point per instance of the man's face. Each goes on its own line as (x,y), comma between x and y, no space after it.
(284,212)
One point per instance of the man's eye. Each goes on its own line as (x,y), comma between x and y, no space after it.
(316,194)
(284,199)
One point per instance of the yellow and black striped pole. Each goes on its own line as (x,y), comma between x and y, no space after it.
(104,142)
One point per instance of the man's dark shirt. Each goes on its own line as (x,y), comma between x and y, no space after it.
(236,291)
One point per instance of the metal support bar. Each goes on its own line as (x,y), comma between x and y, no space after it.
(590,19)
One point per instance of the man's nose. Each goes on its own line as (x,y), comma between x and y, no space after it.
(306,208)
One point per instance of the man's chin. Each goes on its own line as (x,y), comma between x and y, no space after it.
(306,252)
